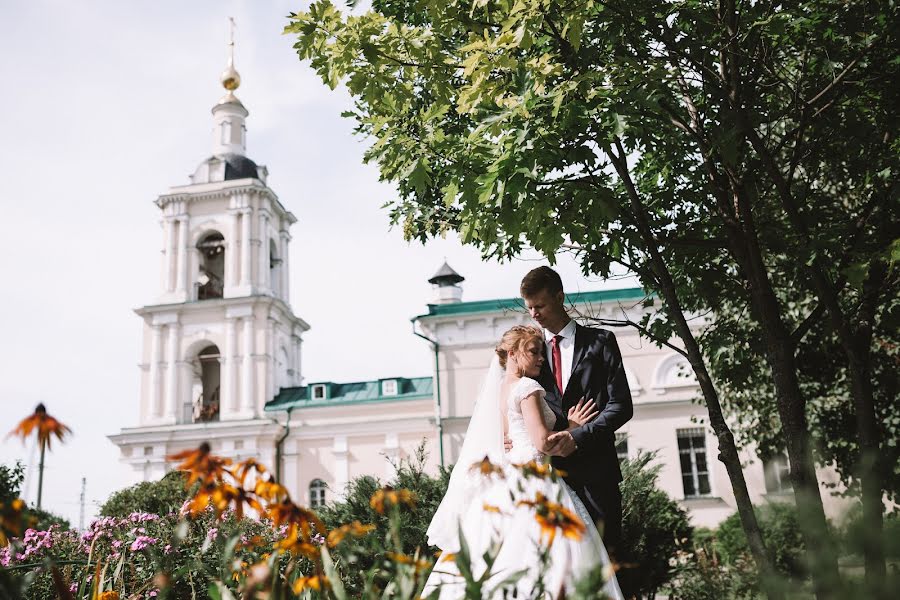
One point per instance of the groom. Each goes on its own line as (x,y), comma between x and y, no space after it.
(582,362)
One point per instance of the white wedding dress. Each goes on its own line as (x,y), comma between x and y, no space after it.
(514,526)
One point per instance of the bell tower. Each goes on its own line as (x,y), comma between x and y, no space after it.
(220,339)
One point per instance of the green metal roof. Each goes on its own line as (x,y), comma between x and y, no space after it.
(481,306)
(359,392)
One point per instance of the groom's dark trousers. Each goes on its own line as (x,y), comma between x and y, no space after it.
(593,469)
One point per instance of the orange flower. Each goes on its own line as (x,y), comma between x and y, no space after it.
(243,468)
(356,529)
(420,564)
(201,465)
(11,520)
(108,595)
(487,468)
(388,496)
(295,543)
(288,512)
(313,582)
(542,471)
(552,516)
(270,491)
(45,425)
(448,557)
(491,508)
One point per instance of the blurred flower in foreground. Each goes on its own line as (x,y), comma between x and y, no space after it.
(388,496)
(11,520)
(486,468)
(314,582)
(356,529)
(552,516)
(46,427)
(419,564)
(200,465)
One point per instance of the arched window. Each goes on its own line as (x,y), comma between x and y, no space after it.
(317,489)
(674,372)
(206,374)
(211,279)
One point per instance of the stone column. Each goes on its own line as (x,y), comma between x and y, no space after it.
(231,253)
(285,267)
(341,454)
(246,216)
(248,407)
(298,345)
(164,259)
(172,372)
(181,276)
(170,255)
(263,276)
(228,396)
(155,382)
(271,377)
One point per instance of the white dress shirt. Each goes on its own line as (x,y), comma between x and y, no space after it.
(566,350)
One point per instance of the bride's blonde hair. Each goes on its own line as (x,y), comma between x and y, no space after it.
(515,340)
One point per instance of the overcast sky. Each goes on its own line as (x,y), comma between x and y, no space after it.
(104,106)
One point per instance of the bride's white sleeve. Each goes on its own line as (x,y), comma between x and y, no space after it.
(525,388)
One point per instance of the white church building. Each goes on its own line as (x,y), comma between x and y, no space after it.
(221,358)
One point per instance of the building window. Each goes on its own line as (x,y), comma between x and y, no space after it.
(777,471)
(694,469)
(622,446)
(318,391)
(211,278)
(389,387)
(317,489)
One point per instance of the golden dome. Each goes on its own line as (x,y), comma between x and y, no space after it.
(230,78)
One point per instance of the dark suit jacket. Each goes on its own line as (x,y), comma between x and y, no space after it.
(597,373)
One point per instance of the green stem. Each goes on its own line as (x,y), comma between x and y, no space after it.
(41,476)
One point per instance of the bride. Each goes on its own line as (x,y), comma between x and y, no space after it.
(546,537)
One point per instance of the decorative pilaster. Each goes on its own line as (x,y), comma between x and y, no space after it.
(232,262)
(285,267)
(172,372)
(247,404)
(341,454)
(154,403)
(229,367)
(181,274)
(263,235)
(164,257)
(246,216)
(170,255)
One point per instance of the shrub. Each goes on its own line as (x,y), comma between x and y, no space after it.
(155,497)
(781,532)
(653,529)
(355,506)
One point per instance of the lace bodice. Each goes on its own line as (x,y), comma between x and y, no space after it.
(523,449)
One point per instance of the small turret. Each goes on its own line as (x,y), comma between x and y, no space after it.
(446,285)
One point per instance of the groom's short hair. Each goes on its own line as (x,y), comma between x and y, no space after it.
(542,278)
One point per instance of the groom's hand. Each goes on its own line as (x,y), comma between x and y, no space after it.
(561,443)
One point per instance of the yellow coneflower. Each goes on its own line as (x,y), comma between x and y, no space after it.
(420,564)
(11,520)
(356,529)
(313,582)
(552,516)
(486,468)
(270,491)
(201,465)
(533,468)
(46,427)
(297,544)
(286,512)
(388,496)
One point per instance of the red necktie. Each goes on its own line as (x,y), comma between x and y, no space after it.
(556,357)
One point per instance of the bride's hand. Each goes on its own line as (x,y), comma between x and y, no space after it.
(582,412)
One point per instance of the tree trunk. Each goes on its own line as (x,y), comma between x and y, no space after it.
(728,453)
